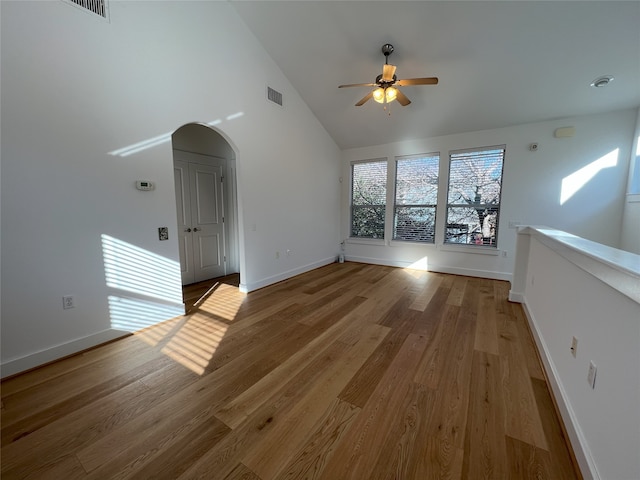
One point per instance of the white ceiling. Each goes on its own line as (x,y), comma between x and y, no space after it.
(499,63)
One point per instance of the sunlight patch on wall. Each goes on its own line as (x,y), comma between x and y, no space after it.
(160,139)
(133,314)
(195,343)
(571,184)
(136,270)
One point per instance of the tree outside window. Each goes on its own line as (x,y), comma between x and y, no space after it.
(416,196)
(368,198)
(473,200)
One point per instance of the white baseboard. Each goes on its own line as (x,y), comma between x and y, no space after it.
(435,268)
(37,359)
(576,437)
(516,297)
(265,282)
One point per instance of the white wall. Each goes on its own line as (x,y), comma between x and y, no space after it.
(569,292)
(76,87)
(532,188)
(631,218)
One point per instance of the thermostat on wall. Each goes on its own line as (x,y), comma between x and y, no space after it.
(145,185)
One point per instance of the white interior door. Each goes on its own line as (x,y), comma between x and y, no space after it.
(183,207)
(207,220)
(200,212)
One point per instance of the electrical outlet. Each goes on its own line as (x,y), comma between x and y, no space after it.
(68,301)
(574,347)
(504,253)
(591,377)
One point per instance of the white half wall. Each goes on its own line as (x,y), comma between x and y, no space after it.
(76,91)
(575,184)
(572,287)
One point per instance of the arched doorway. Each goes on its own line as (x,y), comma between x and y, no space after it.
(206,200)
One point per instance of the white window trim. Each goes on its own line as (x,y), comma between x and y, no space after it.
(365,240)
(463,248)
(468,248)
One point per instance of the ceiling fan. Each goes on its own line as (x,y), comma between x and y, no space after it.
(386,90)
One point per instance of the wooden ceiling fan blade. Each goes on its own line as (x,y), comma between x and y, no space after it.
(358,85)
(388,71)
(417,81)
(402,98)
(365,99)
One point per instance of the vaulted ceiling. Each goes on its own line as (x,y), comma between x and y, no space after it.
(499,63)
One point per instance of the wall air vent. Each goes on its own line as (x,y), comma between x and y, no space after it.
(99,7)
(274,96)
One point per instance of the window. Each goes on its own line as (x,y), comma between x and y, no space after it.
(368,198)
(473,199)
(414,212)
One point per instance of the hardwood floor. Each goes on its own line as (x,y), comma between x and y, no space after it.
(350,371)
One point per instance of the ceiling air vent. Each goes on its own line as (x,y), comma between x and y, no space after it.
(274,96)
(98,7)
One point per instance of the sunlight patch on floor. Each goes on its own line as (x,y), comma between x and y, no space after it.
(224,301)
(195,342)
(155,334)
(419,268)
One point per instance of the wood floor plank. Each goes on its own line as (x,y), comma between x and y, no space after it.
(561,457)
(445,429)
(396,458)
(349,371)
(167,456)
(242,472)
(457,291)
(485,446)
(440,343)
(365,381)
(527,344)
(362,444)
(487,328)
(282,441)
(424,297)
(27,425)
(526,461)
(46,395)
(522,417)
(320,446)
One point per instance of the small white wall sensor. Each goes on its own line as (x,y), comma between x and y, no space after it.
(145,185)
(564,132)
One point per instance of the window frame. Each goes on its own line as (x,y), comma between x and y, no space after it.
(496,207)
(353,207)
(434,206)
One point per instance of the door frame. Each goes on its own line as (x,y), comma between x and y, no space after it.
(234,253)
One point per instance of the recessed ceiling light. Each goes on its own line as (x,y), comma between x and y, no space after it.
(602,81)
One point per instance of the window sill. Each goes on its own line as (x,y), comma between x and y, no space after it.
(469,249)
(366,241)
(403,243)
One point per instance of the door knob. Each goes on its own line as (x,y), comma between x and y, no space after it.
(196,229)
(187,229)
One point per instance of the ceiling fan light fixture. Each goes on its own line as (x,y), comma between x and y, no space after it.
(378,95)
(391,94)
